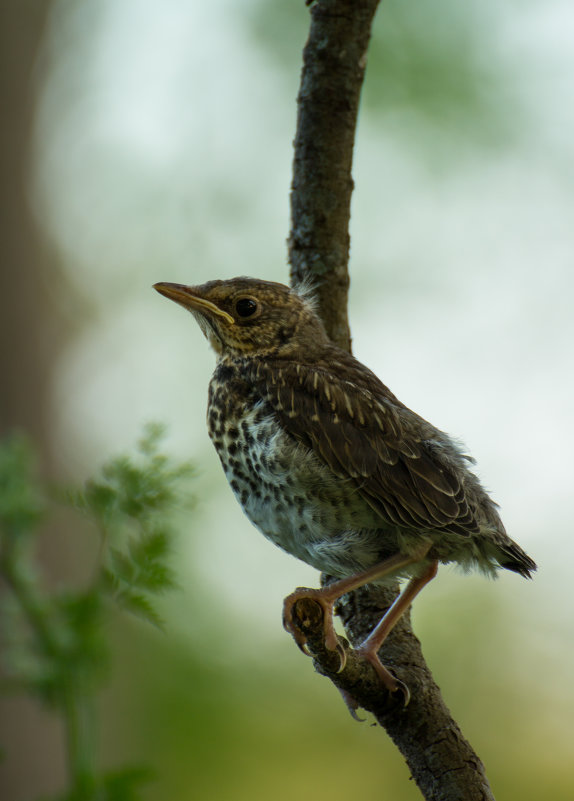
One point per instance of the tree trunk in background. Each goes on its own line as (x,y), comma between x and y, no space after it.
(29,327)
(30,335)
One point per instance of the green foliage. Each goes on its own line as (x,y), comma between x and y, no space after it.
(129,504)
(21,505)
(435,61)
(434,65)
(119,785)
(55,646)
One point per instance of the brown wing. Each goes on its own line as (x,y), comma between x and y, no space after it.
(354,423)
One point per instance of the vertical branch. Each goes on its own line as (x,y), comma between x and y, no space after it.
(441,761)
(334,61)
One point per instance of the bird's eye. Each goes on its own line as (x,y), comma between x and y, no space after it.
(246,307)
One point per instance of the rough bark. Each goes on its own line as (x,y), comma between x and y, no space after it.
(334,62)
(441,761)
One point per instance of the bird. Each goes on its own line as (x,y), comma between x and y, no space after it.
(329,465)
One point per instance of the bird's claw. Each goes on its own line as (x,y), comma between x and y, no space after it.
(351,704)
(390,681)
(403,688)
(342,656)
(299,637)
(331,640)
(304,648)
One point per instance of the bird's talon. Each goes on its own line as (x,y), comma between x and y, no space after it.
(304,648)
(299,638)
(353,713)
(293,630)
(342,656)
(390,681)
(351,705)
(398,686)
(403,688)
(293,626)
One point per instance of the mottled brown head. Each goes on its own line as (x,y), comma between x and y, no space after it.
(245,316)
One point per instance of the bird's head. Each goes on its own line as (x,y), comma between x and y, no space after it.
(248,317)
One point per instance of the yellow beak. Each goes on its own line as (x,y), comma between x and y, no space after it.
(188,297)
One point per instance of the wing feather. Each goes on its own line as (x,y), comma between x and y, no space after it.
(357,427)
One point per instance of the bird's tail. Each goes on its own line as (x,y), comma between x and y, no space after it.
(512,557)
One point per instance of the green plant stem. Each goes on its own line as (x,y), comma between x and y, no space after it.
(76,706)
(33,605)
(79,721)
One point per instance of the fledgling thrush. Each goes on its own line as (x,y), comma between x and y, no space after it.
(328,464)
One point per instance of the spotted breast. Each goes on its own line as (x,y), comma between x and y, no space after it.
(291,496)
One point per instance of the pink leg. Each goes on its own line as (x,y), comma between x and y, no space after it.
(327,596)
(370,647)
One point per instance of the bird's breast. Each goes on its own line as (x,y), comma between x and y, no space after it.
(286,491)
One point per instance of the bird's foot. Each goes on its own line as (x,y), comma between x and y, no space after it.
(352,704)
(308,610)
(390,681)
(296,620)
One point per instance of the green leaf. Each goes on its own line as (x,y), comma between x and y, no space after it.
(152,435)
(121,566)
(140,606)
(150,546)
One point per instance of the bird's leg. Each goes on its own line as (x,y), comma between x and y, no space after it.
(325,600)
(369,648)
(327,596)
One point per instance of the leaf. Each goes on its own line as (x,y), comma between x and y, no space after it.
(156,578)
(139,605)
(151,546)
(152,435)
(121,566)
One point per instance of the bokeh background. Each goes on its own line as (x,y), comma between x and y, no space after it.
(145,142)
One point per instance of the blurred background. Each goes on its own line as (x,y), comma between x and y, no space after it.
(145,142)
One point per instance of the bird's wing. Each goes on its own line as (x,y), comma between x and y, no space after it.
(357,427)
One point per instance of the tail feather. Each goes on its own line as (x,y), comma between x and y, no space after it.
(512,557)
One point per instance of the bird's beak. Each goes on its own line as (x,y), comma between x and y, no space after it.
(190,299)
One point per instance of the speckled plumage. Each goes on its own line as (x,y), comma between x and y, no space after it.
(322,457)
(286,491)
(328,505)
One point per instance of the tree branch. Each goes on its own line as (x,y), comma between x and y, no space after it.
(334,61)
(441,761)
